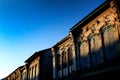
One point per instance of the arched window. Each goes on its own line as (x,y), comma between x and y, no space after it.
(96,51)
(64,59)
(59,61)
(84,56)
(109,42)
(70,56)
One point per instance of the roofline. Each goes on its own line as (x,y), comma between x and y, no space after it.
(61,41)
(37,54)
(90,15)
(15,70)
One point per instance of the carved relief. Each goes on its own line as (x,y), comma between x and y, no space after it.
(112,3)
(93,29)
(107,19)
(113,6)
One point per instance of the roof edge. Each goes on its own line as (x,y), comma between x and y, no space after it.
(91,14)
(62,40)
(35,54)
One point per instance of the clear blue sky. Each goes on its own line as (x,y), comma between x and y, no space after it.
(27,26)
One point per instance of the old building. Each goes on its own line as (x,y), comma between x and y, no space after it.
(39,65)
(15,75)
(24,73)
(97,42)
(64,58)
(91,51)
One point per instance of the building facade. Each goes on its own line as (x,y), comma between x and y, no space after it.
(24,73)
(95,45)
(64,58)
(91,51)
(39,65)
(15,75)
(97,40)
(33,67)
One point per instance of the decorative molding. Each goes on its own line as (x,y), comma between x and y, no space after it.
(106,27)
(93,35)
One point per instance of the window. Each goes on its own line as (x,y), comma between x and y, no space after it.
(37,71)
(34,77)
(31,73)
(108,38)
(59,61)
(70,56)
(96,51)
(84,56)
(17,75)
(64,59)
(23,75)
(117,34)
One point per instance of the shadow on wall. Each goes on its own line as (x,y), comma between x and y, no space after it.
(103,63)
(99,64)
(46,67)
(64,70)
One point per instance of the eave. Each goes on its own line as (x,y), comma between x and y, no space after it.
(92,15)
(35,55)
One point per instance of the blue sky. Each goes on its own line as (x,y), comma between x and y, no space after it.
(27,26)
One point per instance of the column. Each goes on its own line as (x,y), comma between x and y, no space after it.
(27,71)
(78,55)
(53,61)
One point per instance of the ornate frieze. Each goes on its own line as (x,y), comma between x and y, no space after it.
(107,19)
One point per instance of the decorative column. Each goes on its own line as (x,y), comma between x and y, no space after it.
(78,55)
(39,68)
(20,73)
(27,71)
(54,63)
(74,52)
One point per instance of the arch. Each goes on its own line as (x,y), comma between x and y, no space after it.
(84,55)
(108,41)
(96,51)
